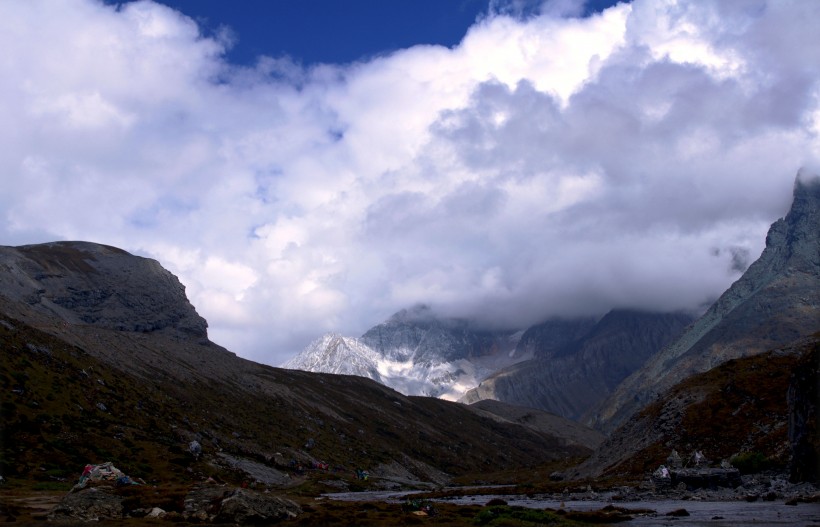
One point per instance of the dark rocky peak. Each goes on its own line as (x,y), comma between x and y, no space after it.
(803,219)
(622,330)
(93,284)
(806,193)
(794,241)
(419,314)
(548,338)
(571,379)
(421,334)
(775,302)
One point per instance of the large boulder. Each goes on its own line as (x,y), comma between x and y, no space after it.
(90,504)
(219,504)
(243,506)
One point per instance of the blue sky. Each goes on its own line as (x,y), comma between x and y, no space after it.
(335,31)
(315,169)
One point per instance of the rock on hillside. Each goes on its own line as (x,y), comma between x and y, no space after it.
(776,301)
(570,380)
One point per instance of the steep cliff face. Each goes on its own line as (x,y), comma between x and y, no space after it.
(775,302)
(571,379)
(98,285)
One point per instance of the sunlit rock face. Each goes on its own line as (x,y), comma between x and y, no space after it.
(775,302)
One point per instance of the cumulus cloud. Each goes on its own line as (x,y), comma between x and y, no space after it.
(547,165)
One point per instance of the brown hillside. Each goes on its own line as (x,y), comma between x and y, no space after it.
(63,408)
(738,407)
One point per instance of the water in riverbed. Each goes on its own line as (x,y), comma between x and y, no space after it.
(701,513)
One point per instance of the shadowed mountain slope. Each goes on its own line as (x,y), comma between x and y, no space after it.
(552,424)
(571,379)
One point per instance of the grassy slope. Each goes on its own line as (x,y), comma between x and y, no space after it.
(53,424)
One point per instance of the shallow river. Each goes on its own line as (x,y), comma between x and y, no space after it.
(712,513)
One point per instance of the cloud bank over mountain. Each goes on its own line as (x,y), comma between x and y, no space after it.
(546,165)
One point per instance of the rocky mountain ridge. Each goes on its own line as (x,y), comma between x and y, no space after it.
(776,301)
(573,378)
(419,353)
(540,420)
(87,283)
(416,353)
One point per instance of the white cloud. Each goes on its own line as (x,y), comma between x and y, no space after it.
(546,165)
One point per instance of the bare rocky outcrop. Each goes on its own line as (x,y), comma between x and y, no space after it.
(87,505)
(775,302)
(212,503)
(243,507)
(98,285)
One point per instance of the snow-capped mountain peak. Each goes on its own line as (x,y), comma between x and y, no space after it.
(333,353)
(414,353)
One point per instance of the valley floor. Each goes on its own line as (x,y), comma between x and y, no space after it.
(763,499)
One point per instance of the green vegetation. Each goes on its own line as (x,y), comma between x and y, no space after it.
(52,485)
(517,516)
(751,462)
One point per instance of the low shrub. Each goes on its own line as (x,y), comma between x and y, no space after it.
(504,515)
(750,462)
